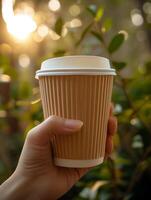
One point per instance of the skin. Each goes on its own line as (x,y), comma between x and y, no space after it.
(36,177)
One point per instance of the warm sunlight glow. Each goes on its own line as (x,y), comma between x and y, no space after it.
(37,37)
(54,35)
(5,48)
(64,32)
(21,24)
(43,30)
(74,10)
(54,5)
(7,10)
(24,60)
(74,23)
(4,78)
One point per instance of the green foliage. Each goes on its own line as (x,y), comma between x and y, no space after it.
(85,31)
(59,53)
(97,35)
(148,67)
(127,174)
(4,61)
(25,90)
(119,65)
(58,26)
(99,14)
(96,13)
(140,88)
(107,24)
(116,42)
(92,9)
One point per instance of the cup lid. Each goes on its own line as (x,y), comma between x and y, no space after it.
(76,65)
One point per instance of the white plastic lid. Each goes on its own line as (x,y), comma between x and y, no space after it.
(76,65)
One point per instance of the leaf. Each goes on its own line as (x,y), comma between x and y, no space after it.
(116,42)
(97,35)
(119,65)
(99,14)
(84,33)
(92,9)
(107,24)
(59,53)
(58,26)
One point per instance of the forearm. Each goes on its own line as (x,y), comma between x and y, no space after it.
(16,188)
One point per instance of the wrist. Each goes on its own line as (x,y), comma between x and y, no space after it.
(16,187)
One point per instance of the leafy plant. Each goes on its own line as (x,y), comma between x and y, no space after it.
(124,176)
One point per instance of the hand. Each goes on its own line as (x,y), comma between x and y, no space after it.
(36,177)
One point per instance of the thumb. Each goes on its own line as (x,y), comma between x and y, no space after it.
(42,134)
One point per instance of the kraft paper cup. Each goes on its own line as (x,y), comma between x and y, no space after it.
(78,87)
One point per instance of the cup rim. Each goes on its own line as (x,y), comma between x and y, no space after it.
(76,65)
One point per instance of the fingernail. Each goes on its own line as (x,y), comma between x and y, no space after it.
(73,124)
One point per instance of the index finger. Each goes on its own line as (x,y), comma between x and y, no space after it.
(41,134)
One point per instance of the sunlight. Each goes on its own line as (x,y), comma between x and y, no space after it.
(21,24)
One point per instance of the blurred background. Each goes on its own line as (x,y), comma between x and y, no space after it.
(31,31)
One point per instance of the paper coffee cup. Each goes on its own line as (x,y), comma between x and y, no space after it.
(78,87)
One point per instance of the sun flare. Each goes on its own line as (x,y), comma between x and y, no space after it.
(21,24)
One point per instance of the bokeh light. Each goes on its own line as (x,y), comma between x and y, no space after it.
(4,78)
(124,33)
(24,60)
(43,30)
(147,7)
(74,23)
(25,8)
(5,48)
(137,19)
(37,37)
(54,35)
(74,10)
(64,32)
(118,109)
(54,5)
(7,10)
(21,24)
(135,122)
(3,113)
(32,31)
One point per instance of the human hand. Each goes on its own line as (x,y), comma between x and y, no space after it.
(36,177)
